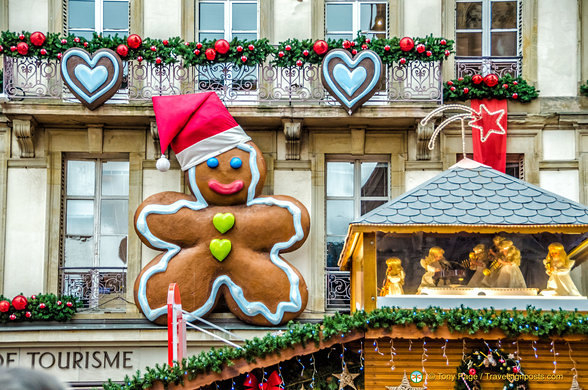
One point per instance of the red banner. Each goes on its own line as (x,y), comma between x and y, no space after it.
(489,132)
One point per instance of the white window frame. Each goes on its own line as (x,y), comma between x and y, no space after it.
(99,18)
(228,18)
(356,15)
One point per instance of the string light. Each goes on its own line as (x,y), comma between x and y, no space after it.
(392,354)
(313,370)
(575,371)
(233,384)
(444,348)
(361,358)
(554,356)
(424,357)
(343,349)
(410,345)
(376,348)
(299,362)
(463,349)
(534,348)
(281,386)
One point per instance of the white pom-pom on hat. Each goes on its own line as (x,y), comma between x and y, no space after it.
(162,163)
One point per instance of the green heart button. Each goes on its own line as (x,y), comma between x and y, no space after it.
(220,248)
(223,222)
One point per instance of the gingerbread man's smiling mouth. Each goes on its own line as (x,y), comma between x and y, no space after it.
(225,189)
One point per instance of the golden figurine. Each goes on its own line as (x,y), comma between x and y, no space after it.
(478,260)
(394,278)
(507,273)
(493,256)
(558,266)
(434,262)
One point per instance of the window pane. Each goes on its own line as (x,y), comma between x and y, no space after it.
(339,36)
(373,17)
(334,248)
(83,33)
(211,16)
(115,178)
(80,217)
(114,217)
(339,17)
(112,33)
(80,14)
(242,35)
(339,215)
(80,178)
(469,44)
(210,36)
(79,252)
(504,14)
(469,15)
(374,179)
(113,251)
(245,17)
(116,15)
(340,179)
(504,43)
(369,205)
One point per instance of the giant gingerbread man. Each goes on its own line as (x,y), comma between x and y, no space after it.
(225,240)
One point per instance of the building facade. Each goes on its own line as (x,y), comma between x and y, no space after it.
(72,178)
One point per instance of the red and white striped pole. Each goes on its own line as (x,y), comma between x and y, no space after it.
(176,326)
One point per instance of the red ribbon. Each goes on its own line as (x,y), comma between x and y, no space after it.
(273,382)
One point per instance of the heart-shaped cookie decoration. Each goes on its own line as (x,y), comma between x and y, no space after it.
(223,222)
(351,80)
(220,249)
(92,78)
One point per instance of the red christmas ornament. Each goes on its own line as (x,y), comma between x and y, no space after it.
(239,49)
(37,38)
(505,86)
(460,79)
(199,45)
(59,303)
(134,41)
(515,369)
(158,61)
(299,63)
(77,40)
(515,83)
(354,52)
(320,47)
(243,59)
(472,371)
(406,44)
(4,306)
(19,302)
(222,46)
(1,49)
(197,52)
(280,54)
(85,44)
(165,42)
(139,58)
(515,95)
(353,43)
(21,37)
(69,304)
(59,55)
(42,306)
(443,42)
(364,46)
(12,317)
(450,82)
(402,61)
(429,53)
(22,48)
(153,48)
(452,89)
(210,54)
(187,43)
(477,79)
(33,297)
(305,53)
(346,44)
(420,48)
(122,50)
(447,53)
(387,48)
(288,48)
(466,90)
(42,51)
(28,314)
(63,41)
(491,80)
(251,47)
(12,48)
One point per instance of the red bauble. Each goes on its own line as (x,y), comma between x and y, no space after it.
(320,47)
(447,53)
(68,304)
(477,79)
(63,41)
(77,40)
(420,48)
(22,48)
(280,54)
(210,54)
(363,47)
(85,44)
(165,42)
(28,314)
(4,306)
(1,49)
(505,86)
(59,55)
(33,297)
(187,43)
(43,52)
(19,302)
(21,37)
(199,45)
(158,61)
(37,38)
(299,63)
(402,61)
(466,90)
(12,317)
(222,46)
(515,369)
(460,79)
(134,41)
(305,53)
(367,40)
(122,50)
(450,82)
(491,80)
(197,52)
(59,303)
(353,43)
(239,49)
(251,47)
(153,48)
(472,371)
(12,48)
(139,58)
(515,83)
(354,52)
(452,89)
(429,53)
(515,95)
(406,44)
(346,44)
(288,48)
(243,59)
(42,306)
(387,48)
(443,42)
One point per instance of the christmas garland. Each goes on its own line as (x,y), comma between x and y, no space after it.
(40,307)
(584,89)
(292,52)
(462,320)
(494,364)
(490,87)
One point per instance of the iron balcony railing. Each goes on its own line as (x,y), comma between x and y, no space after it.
(469,66)
(30,78)
(338,286)
(98,288)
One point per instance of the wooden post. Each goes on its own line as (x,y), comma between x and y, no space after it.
(370,289)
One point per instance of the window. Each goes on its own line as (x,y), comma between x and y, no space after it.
(343,19)
(515,164)
(94,229)
(489,29)
(108,17)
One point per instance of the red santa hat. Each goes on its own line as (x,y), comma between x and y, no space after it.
(197,127)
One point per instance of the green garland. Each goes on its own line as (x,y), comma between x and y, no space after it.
(494,364)
(584,89)
(40,307)
(241,52)
(460,320)
(508,87)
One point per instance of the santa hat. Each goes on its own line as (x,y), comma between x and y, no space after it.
(197,127)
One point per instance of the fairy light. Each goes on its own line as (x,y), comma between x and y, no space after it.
(410,345)
(519,357)
(299,362)
(343,349)
(574,370)
(463,349)
(361,358)
(376,348)
(424,357)
(312,361)
(280,375)
(392,354)
(444,348)
(233,384)
(554,356)
(534,348)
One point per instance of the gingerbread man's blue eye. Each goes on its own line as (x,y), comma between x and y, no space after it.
(236,163)
(212,162)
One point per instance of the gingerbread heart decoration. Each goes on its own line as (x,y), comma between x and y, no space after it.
(351,80)
(92,78)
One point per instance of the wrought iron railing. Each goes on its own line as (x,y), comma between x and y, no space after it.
(97,287)
(469,66)
(26,78)
(338,292)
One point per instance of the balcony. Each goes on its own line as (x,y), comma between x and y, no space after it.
(98,288)
(469,66)
(30,78)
